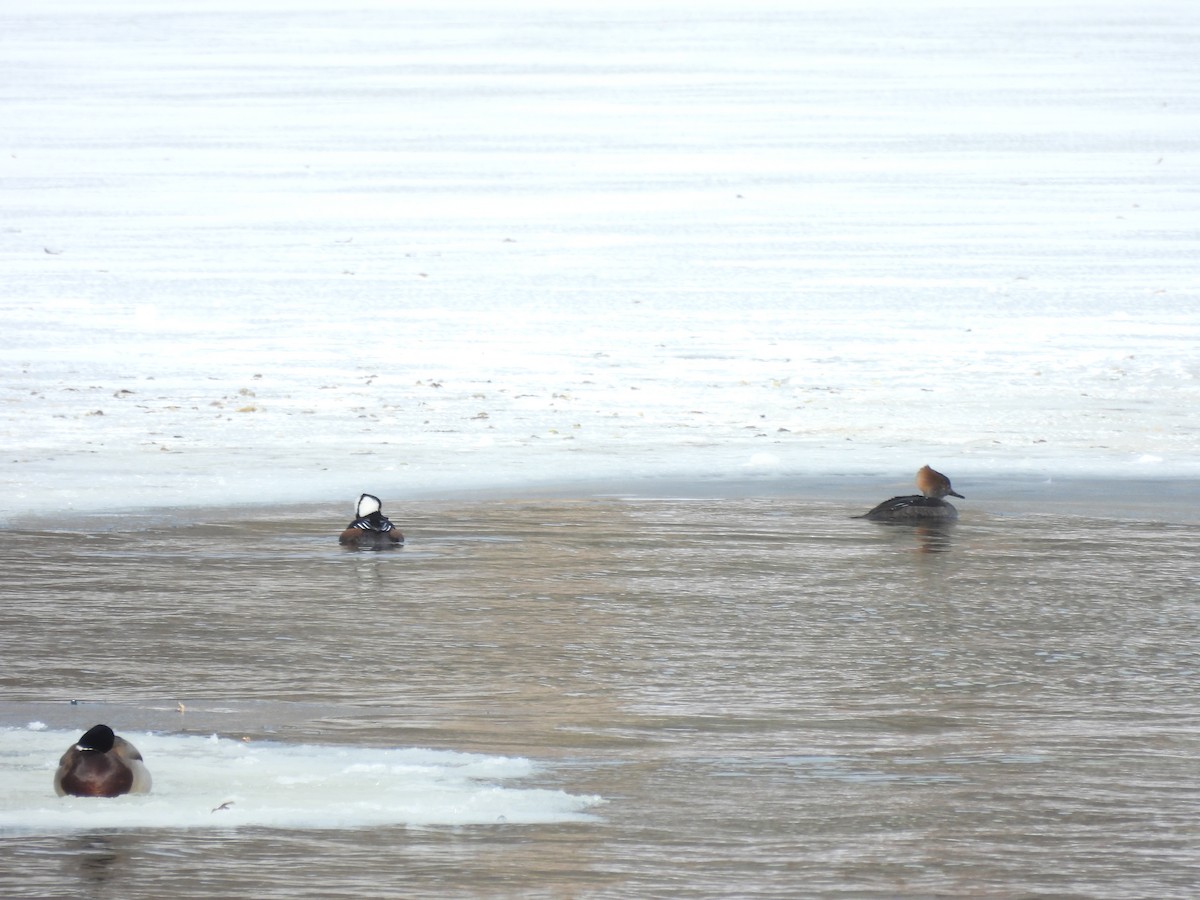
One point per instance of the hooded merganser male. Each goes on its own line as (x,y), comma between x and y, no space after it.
(100,764)
(370,527)
(927,506)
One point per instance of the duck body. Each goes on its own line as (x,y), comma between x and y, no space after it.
(371,529)
(101,764)
(371,540)
(913,508)
(927,506)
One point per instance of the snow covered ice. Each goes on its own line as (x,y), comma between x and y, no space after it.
(277,253)
(212,782)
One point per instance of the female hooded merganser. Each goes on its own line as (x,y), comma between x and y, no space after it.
(370,527)
(927,506)
(100,764)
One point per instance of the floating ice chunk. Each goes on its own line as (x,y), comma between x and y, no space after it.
(212,782)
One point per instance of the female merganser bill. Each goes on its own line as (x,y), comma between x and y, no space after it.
(370,527)
(100,764)
(927,506)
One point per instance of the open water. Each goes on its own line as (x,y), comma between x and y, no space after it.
(647,697)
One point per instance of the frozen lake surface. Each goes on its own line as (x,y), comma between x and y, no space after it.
(274,254)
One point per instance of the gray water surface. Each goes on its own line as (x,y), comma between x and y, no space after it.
(774,699)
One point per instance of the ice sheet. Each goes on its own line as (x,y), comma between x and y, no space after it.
(211,782)
(266,254)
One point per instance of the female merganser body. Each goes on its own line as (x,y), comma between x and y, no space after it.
(927,506)
(370,528)
(100,764)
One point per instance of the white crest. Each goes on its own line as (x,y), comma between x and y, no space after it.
(367,504)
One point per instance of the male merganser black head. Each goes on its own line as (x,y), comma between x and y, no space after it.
(367,504)
(370,508)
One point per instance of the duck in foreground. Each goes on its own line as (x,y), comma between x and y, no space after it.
(100,764)
(927,506)
(370,527)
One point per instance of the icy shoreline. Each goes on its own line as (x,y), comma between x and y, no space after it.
(991,500)
(274,256)
(94,434)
